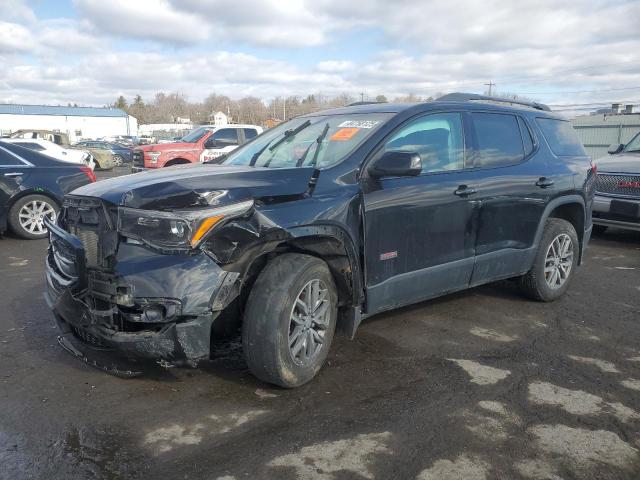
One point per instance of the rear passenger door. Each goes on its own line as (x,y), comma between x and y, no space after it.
(510,171)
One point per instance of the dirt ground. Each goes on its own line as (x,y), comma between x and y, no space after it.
(478,385)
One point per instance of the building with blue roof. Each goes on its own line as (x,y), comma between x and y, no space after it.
(77,122)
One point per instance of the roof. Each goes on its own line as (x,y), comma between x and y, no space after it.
(14,109)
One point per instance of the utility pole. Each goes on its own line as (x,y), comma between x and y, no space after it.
(362,96)
(284,109)
(490,84)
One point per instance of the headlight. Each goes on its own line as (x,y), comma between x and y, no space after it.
(177,230)
(154,156)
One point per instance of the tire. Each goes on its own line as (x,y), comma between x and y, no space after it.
(96,165)
(547,286)
(599,229)
(268,326)
(40,206)
(118,159)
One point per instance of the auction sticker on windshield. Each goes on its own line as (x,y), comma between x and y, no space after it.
(359,123)
(344,134)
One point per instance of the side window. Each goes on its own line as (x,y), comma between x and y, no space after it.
(437,138)
(8,160)
(228,136)
(249,133)
(499,139)
(30,146)
(526,137)
(561,137)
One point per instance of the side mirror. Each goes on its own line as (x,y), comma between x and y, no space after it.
(615,148)
(396,164)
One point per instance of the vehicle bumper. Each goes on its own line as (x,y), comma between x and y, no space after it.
(624,214)
(110,311)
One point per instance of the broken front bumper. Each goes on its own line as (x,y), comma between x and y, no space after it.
(151,305)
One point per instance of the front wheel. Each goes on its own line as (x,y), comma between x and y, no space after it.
(555,262)
(26,216)
(290,320)
(118,159)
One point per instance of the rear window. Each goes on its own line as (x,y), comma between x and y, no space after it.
(561,137)
(499,139)
(250,133)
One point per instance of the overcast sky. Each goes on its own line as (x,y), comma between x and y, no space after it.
(90,51)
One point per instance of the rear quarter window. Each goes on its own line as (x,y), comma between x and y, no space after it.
(561,137)
(499,139)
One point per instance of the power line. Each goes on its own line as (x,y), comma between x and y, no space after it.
(579,91)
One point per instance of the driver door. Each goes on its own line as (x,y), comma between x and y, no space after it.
(419,230)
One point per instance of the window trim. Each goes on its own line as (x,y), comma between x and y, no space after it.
(25,162)
(476,150)
(375,152)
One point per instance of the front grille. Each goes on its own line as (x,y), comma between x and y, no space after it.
(138,158)
(624,185)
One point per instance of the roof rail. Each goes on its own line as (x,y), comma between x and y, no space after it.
(355,104)
(473,97)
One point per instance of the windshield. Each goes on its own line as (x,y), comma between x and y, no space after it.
(319,141)
(194,135)
(633,145)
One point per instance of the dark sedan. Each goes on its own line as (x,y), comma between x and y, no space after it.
(32,186)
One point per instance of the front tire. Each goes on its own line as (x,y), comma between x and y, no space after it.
(554,264)
(290,320)
(26,216)
(118,159)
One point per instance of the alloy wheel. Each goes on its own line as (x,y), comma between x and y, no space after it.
(32,214)
(309,319)
(559,261)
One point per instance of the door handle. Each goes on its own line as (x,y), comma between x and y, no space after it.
(13,174)
(544,182)
(464,191)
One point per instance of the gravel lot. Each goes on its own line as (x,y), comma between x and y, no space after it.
(481,384)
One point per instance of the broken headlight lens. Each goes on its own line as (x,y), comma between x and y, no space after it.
(176,230)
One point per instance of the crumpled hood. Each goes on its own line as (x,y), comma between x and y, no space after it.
(187,186)
(620,163)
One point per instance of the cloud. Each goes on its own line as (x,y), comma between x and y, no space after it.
(268,48)
(14,38)
(144,19)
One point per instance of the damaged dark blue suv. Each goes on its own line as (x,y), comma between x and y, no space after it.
(318,223)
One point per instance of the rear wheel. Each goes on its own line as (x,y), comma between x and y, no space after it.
(26,216)
(290,320)
(555,262)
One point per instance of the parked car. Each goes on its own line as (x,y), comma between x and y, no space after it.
(146,140)
(125,140)
(115,153)
(81,157)
(617,201)
(32,186)
(200,145)
(321,222)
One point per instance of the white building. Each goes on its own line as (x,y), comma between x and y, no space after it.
(218,119)
(77,122)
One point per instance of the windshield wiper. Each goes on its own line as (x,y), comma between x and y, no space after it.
(290,133)
(317,142)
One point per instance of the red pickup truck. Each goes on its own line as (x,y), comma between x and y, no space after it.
(200,145)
